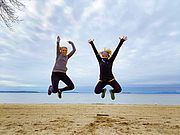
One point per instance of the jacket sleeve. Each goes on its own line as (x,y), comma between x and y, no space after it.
(95,51)
(117,50)
(73,51)
(57,49)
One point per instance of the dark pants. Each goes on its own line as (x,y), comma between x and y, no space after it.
(101,84)
(56,77)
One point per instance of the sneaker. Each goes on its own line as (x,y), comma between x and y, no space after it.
(50,90)
(103,93)
(59,94)
(112,94)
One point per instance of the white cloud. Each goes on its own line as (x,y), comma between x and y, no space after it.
(6,76)
(148,6)
(7,83)
(174,33)
(94,8)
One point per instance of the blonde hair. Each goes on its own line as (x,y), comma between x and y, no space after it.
(63,47)
(106,50)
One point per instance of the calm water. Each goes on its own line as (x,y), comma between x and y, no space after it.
(89,98)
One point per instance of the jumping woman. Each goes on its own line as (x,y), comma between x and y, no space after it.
(59,70)
(106,60)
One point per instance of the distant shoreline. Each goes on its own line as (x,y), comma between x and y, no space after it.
(92,92)
(20,92)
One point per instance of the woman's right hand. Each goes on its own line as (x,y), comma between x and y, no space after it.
(90,41)
(58,39)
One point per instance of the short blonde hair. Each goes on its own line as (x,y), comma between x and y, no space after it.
(106,50)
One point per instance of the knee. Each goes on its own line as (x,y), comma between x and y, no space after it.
(71,87)
(97,91)
(118,89)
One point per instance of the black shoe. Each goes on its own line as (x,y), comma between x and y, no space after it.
(103,93)
(59,94)
(112,94)
(50,90)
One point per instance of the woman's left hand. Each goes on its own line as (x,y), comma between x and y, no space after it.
(123,37)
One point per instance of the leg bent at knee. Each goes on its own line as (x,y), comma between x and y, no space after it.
(71,87)
(97,91)
(117,90)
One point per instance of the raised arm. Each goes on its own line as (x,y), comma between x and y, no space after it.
(58,47)
(122,39)
(74,49)
(94,49)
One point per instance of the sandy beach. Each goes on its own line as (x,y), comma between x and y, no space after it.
(83,119)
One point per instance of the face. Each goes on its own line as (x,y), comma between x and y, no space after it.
(105,55)
(64,51)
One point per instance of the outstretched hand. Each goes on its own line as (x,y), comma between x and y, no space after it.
(90,41)
(123,37)
(58,39)
(70,42)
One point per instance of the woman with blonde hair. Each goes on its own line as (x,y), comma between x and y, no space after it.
(106,60)
(59,70)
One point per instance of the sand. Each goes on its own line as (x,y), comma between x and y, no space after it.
(81,119)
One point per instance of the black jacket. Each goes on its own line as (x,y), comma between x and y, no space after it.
(106,64)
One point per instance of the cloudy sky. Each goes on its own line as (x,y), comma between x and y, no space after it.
(150,56)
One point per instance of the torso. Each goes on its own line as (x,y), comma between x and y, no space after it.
(105,70)
(60,65)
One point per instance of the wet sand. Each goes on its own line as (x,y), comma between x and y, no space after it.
(83,119)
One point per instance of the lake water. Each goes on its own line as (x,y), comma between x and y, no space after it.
(88,98)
